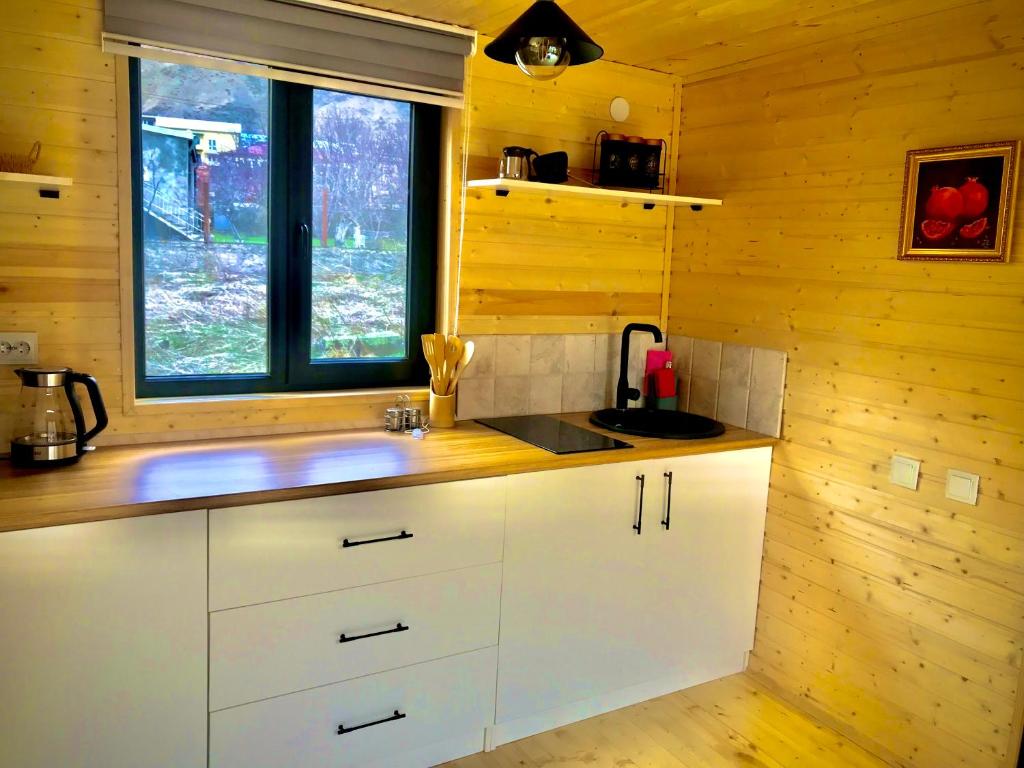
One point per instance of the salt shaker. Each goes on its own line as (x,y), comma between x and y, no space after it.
(396,417)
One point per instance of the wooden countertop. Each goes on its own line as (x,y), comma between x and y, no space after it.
(130,481)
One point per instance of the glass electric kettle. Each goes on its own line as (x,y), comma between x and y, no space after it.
(49,426)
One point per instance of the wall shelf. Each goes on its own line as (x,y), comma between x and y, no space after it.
(47,186)
(649,200)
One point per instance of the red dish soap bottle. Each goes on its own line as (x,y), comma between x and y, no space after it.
(661,388)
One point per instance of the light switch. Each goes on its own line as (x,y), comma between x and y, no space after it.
(904,471)
(962,486)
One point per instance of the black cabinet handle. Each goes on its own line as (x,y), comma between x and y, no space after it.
(397,537)
(352,638)
(640,510)
(668,503)
(342,730)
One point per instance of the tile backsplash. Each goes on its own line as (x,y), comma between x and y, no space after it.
(733,383)
(535,374)
(521,374)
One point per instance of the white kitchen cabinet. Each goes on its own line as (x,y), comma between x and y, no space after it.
(103,644)
(288,549)
(572,590)
(411,577)
(260,651)
(707,563)
(411,717)
(596,615)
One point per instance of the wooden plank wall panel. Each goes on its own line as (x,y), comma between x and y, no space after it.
(58,259)
(535,264)
(898,615)
(529,264)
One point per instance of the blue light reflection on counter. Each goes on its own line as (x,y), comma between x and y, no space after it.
(337,467)
(202,471)
(195,474)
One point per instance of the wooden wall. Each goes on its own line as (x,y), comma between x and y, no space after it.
(897,614)
(533,264)
(530,265)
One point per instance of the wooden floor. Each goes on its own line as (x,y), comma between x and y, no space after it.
(729,722)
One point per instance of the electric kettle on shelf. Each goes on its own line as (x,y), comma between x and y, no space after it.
(516,163)
(49,425)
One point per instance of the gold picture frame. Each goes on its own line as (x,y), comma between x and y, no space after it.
(958,202)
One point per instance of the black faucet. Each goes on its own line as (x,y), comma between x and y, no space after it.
(623,392)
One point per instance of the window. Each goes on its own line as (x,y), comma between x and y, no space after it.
(285,236)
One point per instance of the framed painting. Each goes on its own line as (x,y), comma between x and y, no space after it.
(958,202)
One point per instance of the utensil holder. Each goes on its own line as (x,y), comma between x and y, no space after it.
(442,410)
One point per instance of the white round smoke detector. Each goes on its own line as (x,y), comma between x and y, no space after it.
(619,109)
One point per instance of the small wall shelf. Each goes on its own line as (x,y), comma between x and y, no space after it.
(47,186)
(649,200)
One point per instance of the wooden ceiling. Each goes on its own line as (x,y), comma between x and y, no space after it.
(695,39)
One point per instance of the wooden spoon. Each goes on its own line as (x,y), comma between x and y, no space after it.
(467,357)
(453,349)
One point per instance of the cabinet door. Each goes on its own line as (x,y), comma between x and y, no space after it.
(573,611)
(103,644)
(707,563)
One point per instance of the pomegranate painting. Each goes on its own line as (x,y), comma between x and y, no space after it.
(954,204)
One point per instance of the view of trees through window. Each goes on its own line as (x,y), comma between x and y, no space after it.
(205,145)
(360,204)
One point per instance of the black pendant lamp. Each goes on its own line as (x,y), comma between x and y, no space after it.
(543,42)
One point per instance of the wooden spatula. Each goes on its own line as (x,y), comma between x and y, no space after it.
(430,354)
(439,343)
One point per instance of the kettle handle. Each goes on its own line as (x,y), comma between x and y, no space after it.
(98,408)
(531,173)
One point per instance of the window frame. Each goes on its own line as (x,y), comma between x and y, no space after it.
(289,253)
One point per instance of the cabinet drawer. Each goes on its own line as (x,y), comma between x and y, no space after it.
(446,702)
(266,650)
(287,549)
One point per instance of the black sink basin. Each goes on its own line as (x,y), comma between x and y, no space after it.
(677,425)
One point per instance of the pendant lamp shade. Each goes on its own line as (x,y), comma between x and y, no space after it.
(543,42)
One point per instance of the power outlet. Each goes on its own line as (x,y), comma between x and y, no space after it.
(18,347)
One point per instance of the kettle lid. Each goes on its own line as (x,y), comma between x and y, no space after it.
(517,151)
(43,377)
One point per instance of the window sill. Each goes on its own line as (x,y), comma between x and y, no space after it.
(273,400)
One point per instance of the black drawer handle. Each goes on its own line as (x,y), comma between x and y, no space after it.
(402,535)
(342,730)
(351,639)
(640,512)
(668,503)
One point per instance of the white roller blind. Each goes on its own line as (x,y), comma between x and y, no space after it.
(358,49)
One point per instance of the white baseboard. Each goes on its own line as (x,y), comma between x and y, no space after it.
(675,680)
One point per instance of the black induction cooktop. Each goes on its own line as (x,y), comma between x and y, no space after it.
(553,434)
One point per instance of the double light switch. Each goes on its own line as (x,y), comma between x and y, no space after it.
(960,486)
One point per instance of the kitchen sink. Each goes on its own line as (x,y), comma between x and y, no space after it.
(677,425)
